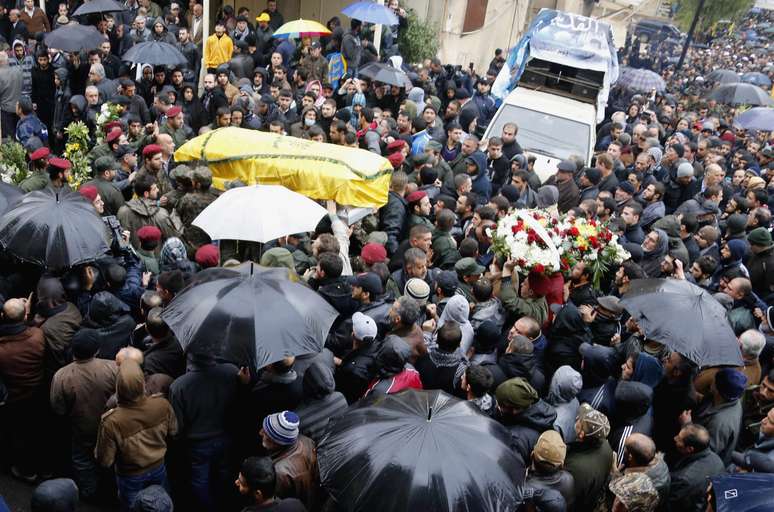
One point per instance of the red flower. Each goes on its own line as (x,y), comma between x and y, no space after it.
(573,231)
(515,229)
(521,263)
(539,268)
(594,242)
(531,238)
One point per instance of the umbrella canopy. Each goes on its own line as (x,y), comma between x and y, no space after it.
(350,176)
(9,195)
(641,80)
(224,218)
(301,28)
(743,492)
(723,76)
(740,94)
(55,230)
(757,78)
(98,6)
(757,118)
(74,38)
(386,74)
(155,53)
(419,450)
(685,318)
(371,12)
(250,319)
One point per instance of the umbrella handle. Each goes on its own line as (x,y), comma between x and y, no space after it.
(429,414)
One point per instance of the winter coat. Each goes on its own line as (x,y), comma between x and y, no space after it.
(21,360)
(357,370)
(321,403)
(599,365)
(442,370)
(29,127)
(723,422)
(565,337)
(165,356)
(145,212)
(688,488)
(80,391)
(760,457)
(632,414)
(589,462)
(109,316)
(58,330)
(569,195)
(526,427)
(394,373)
(392,220)
(202,399)
(457,310)
(651,260)
(133,436)
(296,470)
(561,481)
(491,311)
(512,365)
(562,394)
(761,269)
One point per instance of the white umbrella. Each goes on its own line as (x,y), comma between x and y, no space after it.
(259,213)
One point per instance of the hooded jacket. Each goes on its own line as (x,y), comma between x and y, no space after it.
(565,337)
(321,402)
(671,227)
(394,373)
(457,310)
(526,427)
(562,394)
(110,317)
(599,364)
(481,184)
(647,370)
(133,436)
(651,260)
(512,365)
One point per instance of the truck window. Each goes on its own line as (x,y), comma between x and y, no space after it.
(544,133)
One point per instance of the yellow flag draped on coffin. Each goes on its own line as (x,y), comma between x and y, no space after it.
(349,176)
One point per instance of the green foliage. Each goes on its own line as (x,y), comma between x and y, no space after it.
(712,12)
(13,162)
(76,150)
(419,40)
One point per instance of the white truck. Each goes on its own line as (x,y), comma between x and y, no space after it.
(555,87)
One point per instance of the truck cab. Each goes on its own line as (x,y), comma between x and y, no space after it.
(554,107)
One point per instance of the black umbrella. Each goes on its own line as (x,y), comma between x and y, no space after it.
(98,6)
(723,76)
(685,318)
(156,53)
(9,195)
(419,450)
(74,38)
(386,74)
(741,94)
(253,319)
(53,229)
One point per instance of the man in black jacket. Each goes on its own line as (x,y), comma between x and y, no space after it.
(524,414)
(164,355)
(393,214)
(688,490)
(358,368)
(442,367)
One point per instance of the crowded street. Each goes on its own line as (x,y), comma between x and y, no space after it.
(250,262)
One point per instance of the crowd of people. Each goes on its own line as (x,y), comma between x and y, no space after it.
(100,403)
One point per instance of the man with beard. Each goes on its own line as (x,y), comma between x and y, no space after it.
(510,146)
(213,97)
(43,92)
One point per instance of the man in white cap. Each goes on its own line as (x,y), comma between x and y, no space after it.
(358,368)
(294,457)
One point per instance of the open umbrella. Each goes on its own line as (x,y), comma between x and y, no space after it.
(156,53)
(723,76)
(685,318)
(743,492)
(74,38)
(757,78)
(250,319)
(371,12)
(740,94)
(349,176)
(386,74)
(757,118)
(224,218)
(641,80)
(55,230)
(9,195)
(98,6)
(419,450)
(301,28)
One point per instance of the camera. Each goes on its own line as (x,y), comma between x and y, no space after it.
(118,245)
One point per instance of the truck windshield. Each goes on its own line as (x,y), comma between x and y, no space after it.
(545,134)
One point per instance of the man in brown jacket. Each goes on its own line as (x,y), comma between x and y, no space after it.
(59,320)
(294,457)
(21,369)
(79,391)
(133,436)
(34,17)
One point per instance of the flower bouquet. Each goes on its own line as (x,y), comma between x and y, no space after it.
(592,243)
(76,151)
(107,113)
(531,239)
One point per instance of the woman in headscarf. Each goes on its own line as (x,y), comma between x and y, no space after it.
(173,256)
(566,335)
(315,87)
(654,248)
(458,309)
(193,110)
(642,367)
(563,395)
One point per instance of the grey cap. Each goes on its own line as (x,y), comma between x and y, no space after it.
(105,163)
(684,170)
(611,303)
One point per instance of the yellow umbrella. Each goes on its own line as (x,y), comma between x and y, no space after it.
(349,176)
(301,28)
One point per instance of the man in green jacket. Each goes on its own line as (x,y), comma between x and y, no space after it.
(38,177)
(174,126)
(528,304)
